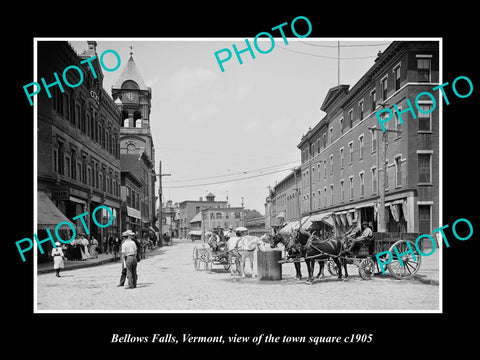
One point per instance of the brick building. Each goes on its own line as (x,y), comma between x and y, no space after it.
(340,155)
(78,157)
(133,98)
(189,208)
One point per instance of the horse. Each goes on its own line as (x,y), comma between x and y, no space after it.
(242,248)
(321,249)
(293,251)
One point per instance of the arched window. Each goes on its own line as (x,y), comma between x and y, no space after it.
(129,84)
(131,148)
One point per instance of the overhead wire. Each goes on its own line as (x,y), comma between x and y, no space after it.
(227,181)
(232,174)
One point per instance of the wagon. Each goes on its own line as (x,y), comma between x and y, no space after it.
(204,258)
(365,259)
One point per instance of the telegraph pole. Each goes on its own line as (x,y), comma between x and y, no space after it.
(160,216)
(382,159)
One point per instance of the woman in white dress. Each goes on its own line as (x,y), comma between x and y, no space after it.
(84,247)
(58,257)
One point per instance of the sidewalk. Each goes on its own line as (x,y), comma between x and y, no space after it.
(429,272)
(47,267)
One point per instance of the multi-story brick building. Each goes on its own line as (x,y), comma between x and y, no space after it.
(340,155)
(282,205)
(78,133)
(133,98)
(189,208)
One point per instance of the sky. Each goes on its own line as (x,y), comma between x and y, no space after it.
(211,127)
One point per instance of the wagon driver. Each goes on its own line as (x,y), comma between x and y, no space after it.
(366,236)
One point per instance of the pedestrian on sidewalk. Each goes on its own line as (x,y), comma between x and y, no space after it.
(58,257)
(93,247)
(129,258)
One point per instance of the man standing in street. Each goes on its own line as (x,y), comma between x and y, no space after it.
(129,258)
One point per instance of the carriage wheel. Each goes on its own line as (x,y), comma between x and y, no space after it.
(208,261)
(227,265)
(366,268)
(409,264)
(332,267)
(196,259)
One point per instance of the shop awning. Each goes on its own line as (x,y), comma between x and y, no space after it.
(133,213)
(195,232)
(196,218)
(48,215)
(293,225)
(326,218)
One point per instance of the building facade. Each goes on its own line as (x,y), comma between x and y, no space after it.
(189,208)
(170,219)
(131,190)
(78,140)
(133,100)
(340,155)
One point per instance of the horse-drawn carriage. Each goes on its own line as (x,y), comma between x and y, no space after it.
(311,248)
(214,252)
(365,258)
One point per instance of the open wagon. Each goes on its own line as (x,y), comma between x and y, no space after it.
(205,257)
(365,258)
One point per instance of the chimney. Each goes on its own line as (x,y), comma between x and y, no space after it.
(201,199)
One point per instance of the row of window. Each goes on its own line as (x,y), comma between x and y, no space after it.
(74,166)
(424,120)
(133,198)
(424,161)
(90,123)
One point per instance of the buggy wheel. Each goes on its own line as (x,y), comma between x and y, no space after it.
(208,261)
(227,265)
(408,264)
(332,267)
(196,259)
(366,268)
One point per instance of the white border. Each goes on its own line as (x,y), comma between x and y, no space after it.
(35,165)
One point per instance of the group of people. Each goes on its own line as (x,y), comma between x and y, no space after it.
(81,249)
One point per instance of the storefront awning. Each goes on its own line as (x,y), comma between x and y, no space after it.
(326,218)
(48,215)
(293,225)
(195,232)
(133,213)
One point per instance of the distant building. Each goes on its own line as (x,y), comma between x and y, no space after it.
(189,208)
(171,219)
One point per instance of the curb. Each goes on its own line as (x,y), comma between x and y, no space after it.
(81,264)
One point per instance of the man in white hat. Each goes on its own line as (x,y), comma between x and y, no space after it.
(128,255)
(58,257)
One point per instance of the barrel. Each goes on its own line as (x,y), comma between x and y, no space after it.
(268,267)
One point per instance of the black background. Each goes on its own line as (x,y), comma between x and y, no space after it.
(393,334)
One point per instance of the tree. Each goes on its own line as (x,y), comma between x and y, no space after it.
(251,214)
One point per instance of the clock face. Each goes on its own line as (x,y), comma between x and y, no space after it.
(130,96)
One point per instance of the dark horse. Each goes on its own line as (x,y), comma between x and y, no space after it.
(293,251)
(312,245)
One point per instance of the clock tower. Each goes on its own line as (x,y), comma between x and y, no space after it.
(133,97)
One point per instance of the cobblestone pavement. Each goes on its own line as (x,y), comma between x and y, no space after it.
(168,281)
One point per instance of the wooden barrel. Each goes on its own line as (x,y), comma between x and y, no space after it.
(268,267)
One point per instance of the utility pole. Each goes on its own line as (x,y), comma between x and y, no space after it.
(160,216)
(382,159)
